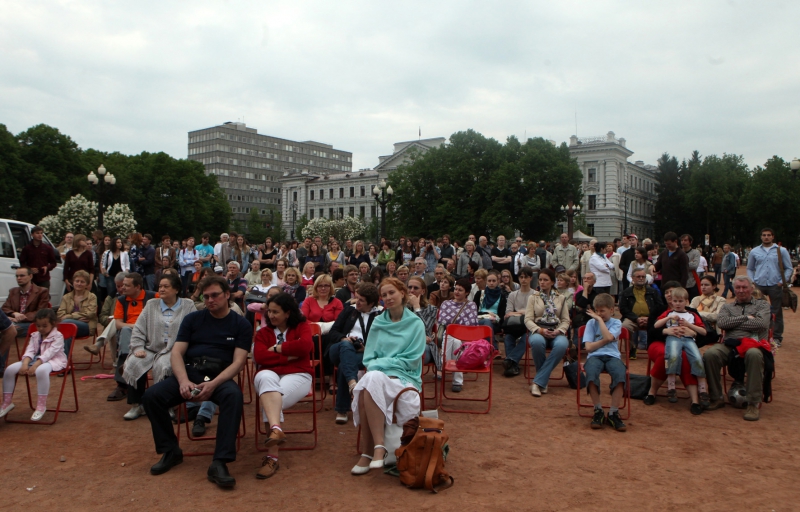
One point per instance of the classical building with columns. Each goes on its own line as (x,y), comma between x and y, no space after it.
(616,192)
(339,194)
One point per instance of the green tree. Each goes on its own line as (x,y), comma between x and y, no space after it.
(299,225)
(670,189)
(275,228)
(475,185)
(770,200)
(12,170)
(256,232)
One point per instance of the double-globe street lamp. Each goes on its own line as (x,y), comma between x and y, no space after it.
(383,195)
(570,210)
(795,165)
(104,179)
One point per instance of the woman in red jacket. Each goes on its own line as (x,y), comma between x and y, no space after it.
(282,353)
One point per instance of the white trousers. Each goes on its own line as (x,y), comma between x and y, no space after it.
(453,344)
(293,387)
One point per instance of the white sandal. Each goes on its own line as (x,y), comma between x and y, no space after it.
(362,470)
(377,464)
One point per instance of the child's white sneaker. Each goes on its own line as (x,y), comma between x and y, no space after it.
(37,415)
(6,410)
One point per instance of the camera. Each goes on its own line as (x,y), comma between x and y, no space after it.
(358,343)
(195,392)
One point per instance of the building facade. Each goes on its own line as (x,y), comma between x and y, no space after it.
(248,165)
(339,194)
(618,196)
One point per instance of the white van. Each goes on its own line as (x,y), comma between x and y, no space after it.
(14,235)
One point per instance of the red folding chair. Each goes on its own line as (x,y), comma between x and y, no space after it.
(557,382)
(624,347)
(182,411)
(430,369)
(69,331)
(85,365)
(466,334)
(680,387)
(316,364)
(311,398)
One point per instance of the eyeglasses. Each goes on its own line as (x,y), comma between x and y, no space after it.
(323,286)
(212,296)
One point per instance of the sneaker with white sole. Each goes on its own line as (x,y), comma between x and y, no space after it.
(37,415)
(6,410)
(134,413)
(341,418)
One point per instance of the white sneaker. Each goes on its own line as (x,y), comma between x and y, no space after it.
(6,410)
(536,391)
(545,389)
(341,418)
(37,415)
(135,412)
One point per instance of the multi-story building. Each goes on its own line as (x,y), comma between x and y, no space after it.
(248,165)
(618,196)
(339,194)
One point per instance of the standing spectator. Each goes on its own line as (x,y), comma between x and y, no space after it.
(702,268)
(186,259)
(764,267)
(716,261)
(334,255)
(78,259)
(624,246)
(269,255)
(485,252)
(223,240)
(405,253)
(302,252)
(693,256)
(206,250)
(241,254)
(501,256)
(728,270)
(386,255)
(165,251)
(565,254)
(147,262)
(602,268)
(315,257)
(39,258)
(431,254)
(448,251)
(133,252)
(25,300)
(359,255)
(673,264)
(114,261)
(66,246)
(626,258)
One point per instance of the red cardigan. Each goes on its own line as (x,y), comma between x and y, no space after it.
(314,313)
(298,344)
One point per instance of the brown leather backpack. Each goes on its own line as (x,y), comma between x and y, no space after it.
(419,459)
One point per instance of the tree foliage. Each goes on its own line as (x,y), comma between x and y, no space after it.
(79,215)
(770,200)
(477,185)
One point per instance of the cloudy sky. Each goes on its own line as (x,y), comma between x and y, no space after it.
(716,76)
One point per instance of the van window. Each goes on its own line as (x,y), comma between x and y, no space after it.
(6,247)
(20,235)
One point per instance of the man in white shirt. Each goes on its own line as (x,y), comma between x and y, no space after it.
(626,244)
(223,239)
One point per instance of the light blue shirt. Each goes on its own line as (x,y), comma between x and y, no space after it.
(593,333)
(431,259)
(205,250)
(762,265)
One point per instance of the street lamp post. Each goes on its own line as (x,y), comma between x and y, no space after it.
(570,210)
(294,218)
(104,179)
(383,195)
(795,167)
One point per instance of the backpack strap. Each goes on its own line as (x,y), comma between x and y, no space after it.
(438,446)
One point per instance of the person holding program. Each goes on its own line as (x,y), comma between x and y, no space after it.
(677,317)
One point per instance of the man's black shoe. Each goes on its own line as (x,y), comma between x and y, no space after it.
(598,419)
(512,369)
(199,427)
(168,461)
(615,421)
(218,473)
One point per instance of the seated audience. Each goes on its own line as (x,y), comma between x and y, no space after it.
(25,300)
(515,338)
(708,303)
(79,307)
(460,311)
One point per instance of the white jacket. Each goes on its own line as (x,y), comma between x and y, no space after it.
(601,267)
(107,260)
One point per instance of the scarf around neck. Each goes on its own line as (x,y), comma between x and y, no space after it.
(490,296)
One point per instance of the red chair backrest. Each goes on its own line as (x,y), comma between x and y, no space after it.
(469,332)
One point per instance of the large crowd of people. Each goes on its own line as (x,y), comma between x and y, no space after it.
(184,313)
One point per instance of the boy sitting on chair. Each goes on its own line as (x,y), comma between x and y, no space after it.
(601,339)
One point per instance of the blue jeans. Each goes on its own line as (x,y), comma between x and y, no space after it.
(515,347)
(546,364)
(494,326)
(728,286)
(672,355)
(344,356)
(83,327)
(207,409)
(150,282)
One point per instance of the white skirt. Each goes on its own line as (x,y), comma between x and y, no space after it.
(384,390)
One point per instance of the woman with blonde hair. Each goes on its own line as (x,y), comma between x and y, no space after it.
(307,279)
(393,359)
(79,307)
(359,256)
(292,286)
(241,254)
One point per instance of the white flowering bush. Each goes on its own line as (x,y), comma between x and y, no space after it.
(79,215)
(341,229)
(118,221)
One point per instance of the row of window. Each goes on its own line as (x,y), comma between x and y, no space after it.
(254,199)
(242,174)
(261,154)
(351,212)
(636,182)
(362,192)
(203,137)
(247,186)
(637,207)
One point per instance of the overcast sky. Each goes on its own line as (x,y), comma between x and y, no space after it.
(716,76)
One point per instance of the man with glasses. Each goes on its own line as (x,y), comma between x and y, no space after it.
(210,350)
(764,269)
(636,303)
(421,270)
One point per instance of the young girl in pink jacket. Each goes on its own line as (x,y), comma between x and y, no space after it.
(44,354)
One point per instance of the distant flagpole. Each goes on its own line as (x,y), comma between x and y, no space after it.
(420,133)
